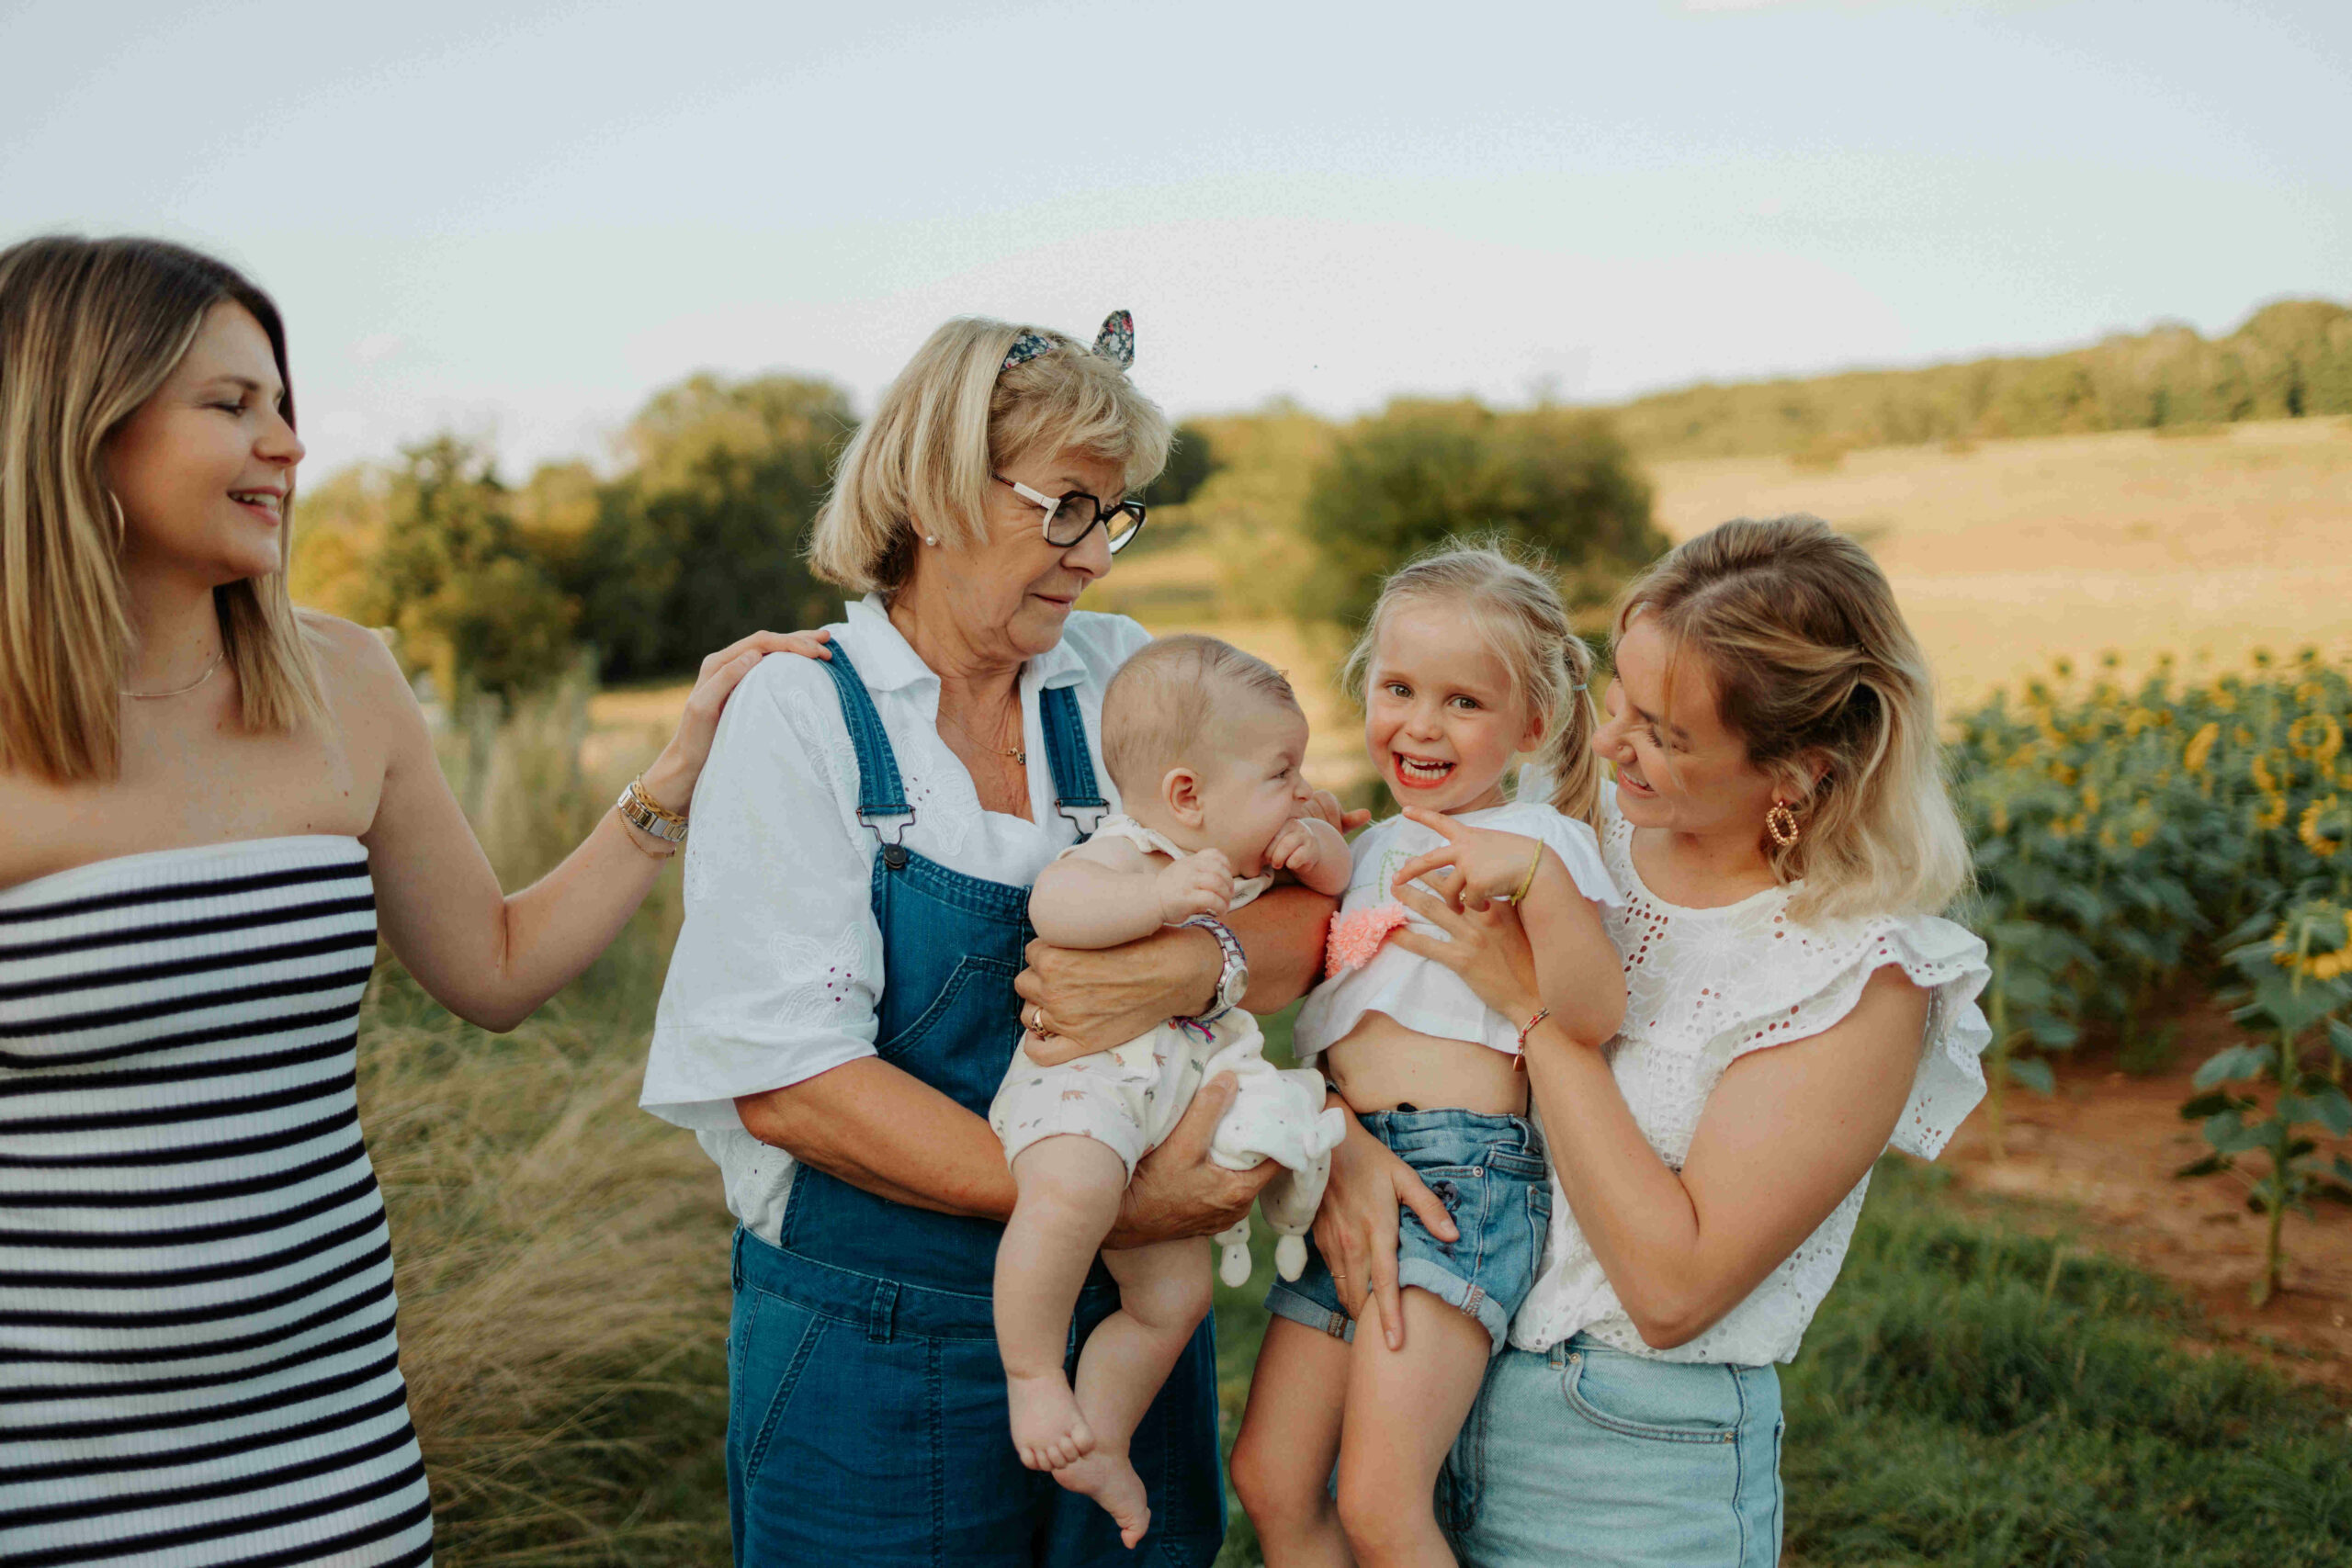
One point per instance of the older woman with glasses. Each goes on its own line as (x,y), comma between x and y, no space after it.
(857,968)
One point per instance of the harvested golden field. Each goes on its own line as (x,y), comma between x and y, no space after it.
(2011,553)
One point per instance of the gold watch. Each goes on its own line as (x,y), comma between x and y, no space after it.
(640,811)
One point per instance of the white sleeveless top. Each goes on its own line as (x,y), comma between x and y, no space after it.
(1706,987)
(1427,997)
(1152,842)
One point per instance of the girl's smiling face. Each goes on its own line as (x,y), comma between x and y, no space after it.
(1442,716)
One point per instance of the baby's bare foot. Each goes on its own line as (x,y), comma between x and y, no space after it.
(1111,1481)
(1047,1430)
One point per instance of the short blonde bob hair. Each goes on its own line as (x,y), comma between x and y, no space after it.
(921,465)
(1814,666)
(89,329)
(1509,598)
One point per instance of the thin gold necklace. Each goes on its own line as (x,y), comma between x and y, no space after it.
(181,691)
(1019,754)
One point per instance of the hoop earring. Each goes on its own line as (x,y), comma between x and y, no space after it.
(121,524)
(1782,825)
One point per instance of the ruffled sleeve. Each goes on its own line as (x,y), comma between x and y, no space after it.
(1823,976)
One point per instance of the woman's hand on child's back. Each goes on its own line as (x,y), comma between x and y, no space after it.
(1199,884)
(1490,865)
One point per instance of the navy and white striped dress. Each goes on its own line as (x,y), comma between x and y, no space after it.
(197,1364)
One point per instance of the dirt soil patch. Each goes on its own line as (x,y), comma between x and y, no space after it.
(2107,1145)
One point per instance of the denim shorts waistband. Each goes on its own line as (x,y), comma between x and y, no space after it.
(1401,1129)
(886,1308)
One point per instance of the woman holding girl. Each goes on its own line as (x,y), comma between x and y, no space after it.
(1780,840)
(210,804)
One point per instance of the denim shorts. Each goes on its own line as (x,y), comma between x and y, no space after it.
(1488,1171)
(1586,1457)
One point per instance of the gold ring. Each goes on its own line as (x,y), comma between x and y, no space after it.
(1037,1019)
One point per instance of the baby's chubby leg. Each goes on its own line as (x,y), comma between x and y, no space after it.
(1069,1190)
(1163,1295)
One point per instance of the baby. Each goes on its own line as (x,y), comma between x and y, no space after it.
(1205,743)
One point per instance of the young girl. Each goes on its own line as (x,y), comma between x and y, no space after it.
(1468,661)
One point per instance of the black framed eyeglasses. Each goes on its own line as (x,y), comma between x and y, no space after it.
(1070,518)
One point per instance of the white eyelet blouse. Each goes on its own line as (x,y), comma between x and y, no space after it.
(1706,987)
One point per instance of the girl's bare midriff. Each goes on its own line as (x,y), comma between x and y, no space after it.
(1381,1064)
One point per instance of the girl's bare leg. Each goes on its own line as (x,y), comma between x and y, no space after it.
(1405,1408)
(1289,1442)
(1068,1196)
(1163,1295)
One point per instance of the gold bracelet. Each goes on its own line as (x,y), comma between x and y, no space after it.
(1527,883)
(656,856)
(645,798)
(639,811)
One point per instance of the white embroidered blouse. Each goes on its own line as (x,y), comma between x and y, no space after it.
(778,968)
(1706,987)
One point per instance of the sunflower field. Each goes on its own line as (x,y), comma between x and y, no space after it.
(2129,833)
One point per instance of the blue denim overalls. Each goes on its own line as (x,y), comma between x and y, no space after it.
(866,1414)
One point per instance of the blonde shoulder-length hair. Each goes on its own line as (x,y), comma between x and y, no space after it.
(951,419)
(1815,668)
(89,329)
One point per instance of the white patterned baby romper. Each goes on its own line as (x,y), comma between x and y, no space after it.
(1130,1098)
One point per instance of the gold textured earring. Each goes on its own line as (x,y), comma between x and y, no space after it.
(1782,823)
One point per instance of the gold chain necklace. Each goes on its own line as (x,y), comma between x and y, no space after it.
(1019,754)
(180,691)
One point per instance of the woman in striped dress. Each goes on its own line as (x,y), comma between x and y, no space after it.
(209,804)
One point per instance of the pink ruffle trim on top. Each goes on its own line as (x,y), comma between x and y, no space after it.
(1354,938)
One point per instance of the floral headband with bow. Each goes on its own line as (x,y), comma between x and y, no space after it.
(1115,343)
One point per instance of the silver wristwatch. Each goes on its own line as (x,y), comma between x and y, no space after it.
(1233,979)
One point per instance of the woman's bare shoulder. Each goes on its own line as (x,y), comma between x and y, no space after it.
(357,667)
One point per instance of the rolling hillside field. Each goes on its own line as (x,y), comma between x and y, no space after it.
(2008,554)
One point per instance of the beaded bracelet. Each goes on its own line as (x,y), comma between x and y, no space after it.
(1520,1061)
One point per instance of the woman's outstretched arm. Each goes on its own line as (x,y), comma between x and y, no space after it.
(487,955)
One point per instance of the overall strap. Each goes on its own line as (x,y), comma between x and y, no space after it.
(1076,795)
(881,796)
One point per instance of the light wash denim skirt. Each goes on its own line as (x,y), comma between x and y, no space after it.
(1586,1457)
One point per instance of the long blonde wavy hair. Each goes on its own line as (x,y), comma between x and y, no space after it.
(89,329)
(1509,597)
(1814,667)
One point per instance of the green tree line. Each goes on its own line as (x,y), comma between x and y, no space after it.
(698,538)
(2289,360)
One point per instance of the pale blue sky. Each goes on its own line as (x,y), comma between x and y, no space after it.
(520,218)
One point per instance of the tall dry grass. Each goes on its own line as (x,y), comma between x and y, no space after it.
(562,1257)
